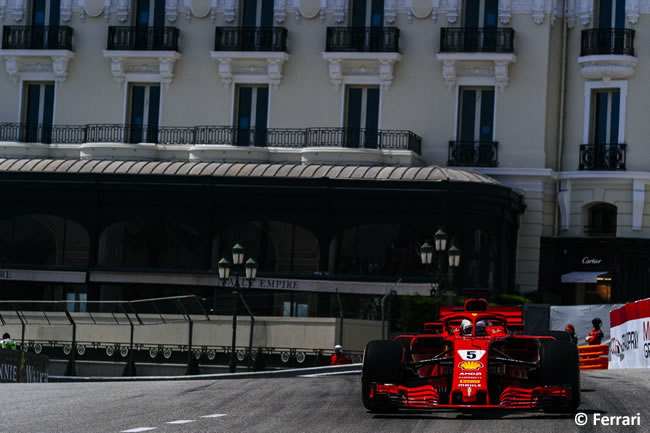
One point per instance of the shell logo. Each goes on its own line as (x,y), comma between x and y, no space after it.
(470,365)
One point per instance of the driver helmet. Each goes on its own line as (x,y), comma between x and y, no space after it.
(338,348)
(480,327)
(466,327)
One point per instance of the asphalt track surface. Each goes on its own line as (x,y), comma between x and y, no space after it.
(278,405)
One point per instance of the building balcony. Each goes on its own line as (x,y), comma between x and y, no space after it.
(250,53)
(37,38)
(250,39)
(477,53)
(363,39)
(473,154)
(141,51)
(476,40)
(42,52)
(306,145)
(596,42)
(607,54)
(607,157)
(142,39)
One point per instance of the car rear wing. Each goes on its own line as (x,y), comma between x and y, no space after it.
(514,315)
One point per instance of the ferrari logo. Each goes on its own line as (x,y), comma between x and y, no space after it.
(469,391)
(470,365)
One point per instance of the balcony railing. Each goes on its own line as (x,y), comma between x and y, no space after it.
(363,39)
(202,135)
(476,40)
(607,41)
(37,38)
(143,38)
(473,153)
(250,39)
(602,157)
(600,230)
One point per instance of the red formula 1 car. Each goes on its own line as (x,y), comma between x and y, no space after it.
(475,357)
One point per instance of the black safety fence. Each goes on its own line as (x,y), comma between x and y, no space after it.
(19,366)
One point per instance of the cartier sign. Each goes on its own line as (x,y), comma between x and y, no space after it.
(586,260)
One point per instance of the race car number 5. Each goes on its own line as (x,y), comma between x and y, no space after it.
(471,355)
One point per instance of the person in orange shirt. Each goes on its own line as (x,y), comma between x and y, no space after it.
(339,358)
(596,335)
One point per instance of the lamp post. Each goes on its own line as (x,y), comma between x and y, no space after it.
(452,254)
(250,268)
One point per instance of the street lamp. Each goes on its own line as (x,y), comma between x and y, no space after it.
(453,256)
(250,268)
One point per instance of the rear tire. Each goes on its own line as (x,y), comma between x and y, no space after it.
(382,363)
(560,365)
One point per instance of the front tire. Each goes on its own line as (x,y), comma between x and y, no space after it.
(382,363)
(560,365)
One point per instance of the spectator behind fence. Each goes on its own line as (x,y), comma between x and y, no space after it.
(596,335)
(339,358)
(569,329)
(7,342)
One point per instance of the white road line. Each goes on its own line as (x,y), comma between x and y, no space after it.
(338,373)
(139,429)
(214,415)
(181,421)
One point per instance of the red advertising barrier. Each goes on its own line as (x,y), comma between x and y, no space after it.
(594,357)
(629,345)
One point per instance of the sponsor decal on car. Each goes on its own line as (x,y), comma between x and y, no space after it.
(469,381)
(470,365)
(471,355)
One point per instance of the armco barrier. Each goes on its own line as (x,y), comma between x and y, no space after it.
(594,357)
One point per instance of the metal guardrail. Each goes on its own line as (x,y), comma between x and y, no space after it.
(473,153)
(127,311)
(607,41)
(363,39)
(250,39)
(215,135)
(476,40)
(602,156)
(142,38)
(37,38)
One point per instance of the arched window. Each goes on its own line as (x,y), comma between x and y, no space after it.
(602,220)
(276,246)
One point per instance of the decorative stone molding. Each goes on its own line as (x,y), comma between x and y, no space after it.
(52,63)
(250,67)
(19,10)
(3,6)
(171,10)
(538,11)
(230,10)
(571,13)
(632,11)
(505,11)
(361,68)
(492,67)
(123,7)
(638,203)
(585,11)
(564,204)
(280,10)
(452,11)
(339,11)
(607,67)
(66,10)
(146,66)
(390,11)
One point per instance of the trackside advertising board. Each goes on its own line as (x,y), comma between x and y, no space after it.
(629,346)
